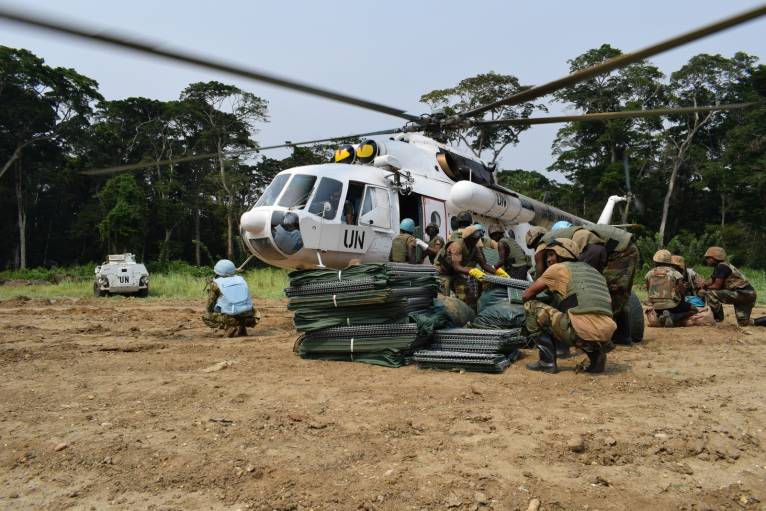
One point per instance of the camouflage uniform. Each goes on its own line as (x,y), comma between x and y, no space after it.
(435,244)
(233,326)
(542,318)
(586,297)
(737,291)
(620,271)
(662,286)
(464,287)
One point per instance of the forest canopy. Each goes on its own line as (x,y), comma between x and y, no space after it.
(693,179)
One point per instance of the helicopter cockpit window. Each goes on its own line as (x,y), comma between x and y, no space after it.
(298,191)
(328,192)
(273,190)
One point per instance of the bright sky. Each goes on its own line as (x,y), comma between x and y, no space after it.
(390,52)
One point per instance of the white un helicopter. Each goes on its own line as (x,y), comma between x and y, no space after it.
(350,210)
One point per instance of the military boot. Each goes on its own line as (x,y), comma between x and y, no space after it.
(546,348)
(596,352)
(562,349)
(760,321)
(622,334)
(667,319)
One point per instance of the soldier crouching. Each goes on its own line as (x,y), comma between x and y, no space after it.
(727,285)
(229,304)
(580,313)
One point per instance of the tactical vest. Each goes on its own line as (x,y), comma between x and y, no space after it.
(662,287)
(235,297)
(615,239)
(470,258)
(566,232)
(736,280)
(517,258)
(399,252)
(587,292)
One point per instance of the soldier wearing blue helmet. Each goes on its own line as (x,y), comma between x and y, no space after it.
(229,304)
(404,247)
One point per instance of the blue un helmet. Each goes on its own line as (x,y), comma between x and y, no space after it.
(224,268)
(407,225)
(561,224)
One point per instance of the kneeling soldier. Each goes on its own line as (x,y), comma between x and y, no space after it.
(665,291)
(229,305)
(727,285)
(580,313)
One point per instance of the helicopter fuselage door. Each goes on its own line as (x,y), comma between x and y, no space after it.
(435,211)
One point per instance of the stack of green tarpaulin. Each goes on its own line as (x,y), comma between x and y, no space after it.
(360,299)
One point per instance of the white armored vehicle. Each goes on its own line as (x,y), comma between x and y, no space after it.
(121,274)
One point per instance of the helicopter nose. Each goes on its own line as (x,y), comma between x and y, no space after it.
(257,223)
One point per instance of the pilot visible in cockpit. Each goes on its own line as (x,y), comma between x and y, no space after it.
(287,235)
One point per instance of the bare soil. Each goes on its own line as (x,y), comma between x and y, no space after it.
(106,404)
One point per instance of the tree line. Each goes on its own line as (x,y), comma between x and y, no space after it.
(690,178)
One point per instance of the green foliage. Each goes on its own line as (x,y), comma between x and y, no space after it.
(124,210)
(188,283)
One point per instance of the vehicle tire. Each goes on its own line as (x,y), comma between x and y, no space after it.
(97,291)
(143,293)
(635,318)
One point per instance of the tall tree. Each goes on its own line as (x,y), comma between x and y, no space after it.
(705,79)
(600,156)
(39,104)
(227,116)
(478,91)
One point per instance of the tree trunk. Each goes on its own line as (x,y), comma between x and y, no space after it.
(197,258)
(626,167)
(723,215)
(229,203)
(21,216)
(677,162)
(668,195)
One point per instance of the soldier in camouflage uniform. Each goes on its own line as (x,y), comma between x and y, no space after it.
(512,258)
(458,261)
(581,310)
(727,285)
(435,242)
(229,305)
(665,291)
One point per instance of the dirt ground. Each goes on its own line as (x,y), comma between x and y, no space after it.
(106,404)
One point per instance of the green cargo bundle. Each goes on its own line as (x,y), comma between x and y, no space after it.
(386,345)
(362,313)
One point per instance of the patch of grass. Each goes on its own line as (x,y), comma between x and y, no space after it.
(263,283)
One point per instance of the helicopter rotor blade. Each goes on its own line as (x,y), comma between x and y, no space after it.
(618,62)
(605,116)
(198,157)
(83,32)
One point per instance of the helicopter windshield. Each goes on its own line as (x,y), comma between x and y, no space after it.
(328,191)
(298,191)
(272,191)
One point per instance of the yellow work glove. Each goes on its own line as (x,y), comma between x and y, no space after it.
(476,273)
(502,273)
